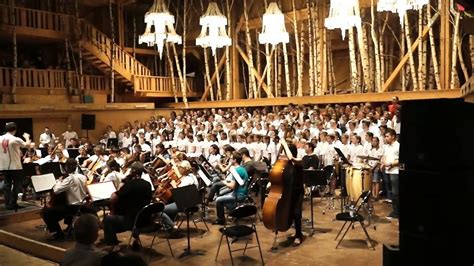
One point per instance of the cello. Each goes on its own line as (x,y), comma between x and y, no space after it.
(277,212)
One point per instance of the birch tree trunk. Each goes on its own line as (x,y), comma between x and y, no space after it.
(277,71)
(352,57)
(269,62)
(434,57)
(311,50)
(402,53)
(410,55)
(299,69)
(228,69)
(331,74)
(252,82)
(301,62)
(454,52)
(79,52)
(287,71)
(112,54)
(173,80)
(184,81)
(15,52)
(378,77)
(362,39)
(424,44)
(178,67)
(319,47)
(461,62)
(218,79)
(420,51)
(294,73)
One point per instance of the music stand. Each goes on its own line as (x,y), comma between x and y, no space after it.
(73,153)
(43,184)
(51,167)
(29,169)
(44,152)
(313,178)
(100,193)
(343,157)
(112,142)
(185,198)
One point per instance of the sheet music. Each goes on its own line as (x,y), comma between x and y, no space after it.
(42,160)
(204,178)
(101,191)
(236,176)
(42,183)
(147,178)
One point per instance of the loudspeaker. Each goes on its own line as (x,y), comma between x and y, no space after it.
(391,255)
(436,184)
(87,122)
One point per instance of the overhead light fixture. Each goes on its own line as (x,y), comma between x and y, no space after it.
(273,28)
(213,31)
(400,6)
(343,15)
(162,21)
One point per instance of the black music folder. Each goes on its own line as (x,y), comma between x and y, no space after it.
(341,154)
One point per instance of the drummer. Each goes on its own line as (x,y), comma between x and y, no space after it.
(375,152)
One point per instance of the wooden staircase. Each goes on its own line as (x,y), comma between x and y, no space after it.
(96,49)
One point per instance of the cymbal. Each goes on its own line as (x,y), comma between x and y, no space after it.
(368,158)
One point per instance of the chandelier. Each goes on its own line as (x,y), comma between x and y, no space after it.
(213,31)
(343,15)
(400,6)
(160,18)
(273,26)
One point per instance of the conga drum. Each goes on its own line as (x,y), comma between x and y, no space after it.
(358,179)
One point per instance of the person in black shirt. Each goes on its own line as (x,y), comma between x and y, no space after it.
(310,160)
(127,202)
(296,172)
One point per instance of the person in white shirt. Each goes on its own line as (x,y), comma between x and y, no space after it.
(68,135)
(214,156)
(47,138)
(389,164)
(110,133)
(113,174)
(10,164)
(356,150)
(74,185)
(376,151)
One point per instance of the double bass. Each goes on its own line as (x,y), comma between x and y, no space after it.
(277,211)
(163,189)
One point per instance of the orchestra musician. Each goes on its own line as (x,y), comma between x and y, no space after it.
(125,204)
(74,186)
(239,192)
(295,171)
(187,178)
(112,173)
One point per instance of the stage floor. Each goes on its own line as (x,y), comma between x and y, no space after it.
(316,250)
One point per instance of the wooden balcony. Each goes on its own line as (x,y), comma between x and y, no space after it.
(152,86)
(36,81)
(33,25)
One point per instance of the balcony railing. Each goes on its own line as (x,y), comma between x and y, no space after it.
(153,84)
(50,79)
(37,19)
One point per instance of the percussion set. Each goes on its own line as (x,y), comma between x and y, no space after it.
(359,177)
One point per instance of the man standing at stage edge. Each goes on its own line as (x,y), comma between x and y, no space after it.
(10,164)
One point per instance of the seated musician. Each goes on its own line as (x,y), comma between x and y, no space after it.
(113,173)
(126,203)
(82,154)
(187,178)
(238,192)
(217,182)
(74,185)
(98,155)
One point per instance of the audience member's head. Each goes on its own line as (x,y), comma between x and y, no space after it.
(86,229)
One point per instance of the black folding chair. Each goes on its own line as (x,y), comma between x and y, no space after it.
(147,221)
(353,217)
(240,230)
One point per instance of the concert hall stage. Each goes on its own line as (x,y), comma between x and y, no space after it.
(29,237)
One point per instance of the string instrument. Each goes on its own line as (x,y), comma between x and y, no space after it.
(93,170)
(163,189)
(277,211)
(55,200)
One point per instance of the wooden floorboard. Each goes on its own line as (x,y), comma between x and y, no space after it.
(316,250)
